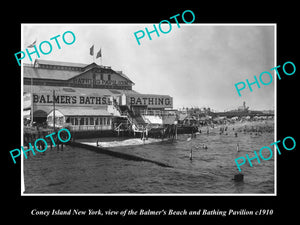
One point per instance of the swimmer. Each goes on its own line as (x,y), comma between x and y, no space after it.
(204,146)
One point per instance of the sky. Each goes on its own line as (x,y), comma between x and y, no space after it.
(197,64)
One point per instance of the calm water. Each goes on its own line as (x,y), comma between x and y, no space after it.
(76,170)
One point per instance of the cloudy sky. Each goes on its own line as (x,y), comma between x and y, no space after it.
(196,64)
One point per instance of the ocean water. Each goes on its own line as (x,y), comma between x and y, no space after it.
(76,170)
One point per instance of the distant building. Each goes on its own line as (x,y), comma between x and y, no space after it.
(243,107)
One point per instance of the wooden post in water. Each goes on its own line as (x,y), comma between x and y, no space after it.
(191,154)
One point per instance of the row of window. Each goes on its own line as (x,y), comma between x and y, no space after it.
(27,81)
(61,67)
(101,76)
(45,66)
(89,120)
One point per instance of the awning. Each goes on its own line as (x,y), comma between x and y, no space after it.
(27,101)
(39,113)
(60,90)
(80,111)
(26,113)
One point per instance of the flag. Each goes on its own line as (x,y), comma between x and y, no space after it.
(99,54)
(92,50)
(31,46)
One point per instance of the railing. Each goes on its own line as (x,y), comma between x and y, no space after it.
(130,117)
(122,126)
(151,112)
(90,127)
(157,113)
(123,114)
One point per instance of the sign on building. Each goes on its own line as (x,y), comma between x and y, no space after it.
(152,101)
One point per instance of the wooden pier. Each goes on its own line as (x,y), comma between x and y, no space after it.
(117,154)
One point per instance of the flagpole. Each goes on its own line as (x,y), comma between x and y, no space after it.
(31,91)
(53,114)
(31,46)
(94,53)
(101,56)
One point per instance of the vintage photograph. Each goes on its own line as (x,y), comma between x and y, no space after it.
(105,114)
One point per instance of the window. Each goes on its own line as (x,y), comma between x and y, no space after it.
(101,76)
(104,121)
(100,121)
(86,121)
(108,76)
(81,121)
(76,121)
(96,121)
(91,121)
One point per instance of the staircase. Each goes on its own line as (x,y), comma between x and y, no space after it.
(136,121)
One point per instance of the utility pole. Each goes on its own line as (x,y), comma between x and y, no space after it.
(54,110)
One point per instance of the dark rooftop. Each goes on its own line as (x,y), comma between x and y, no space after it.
(48,69)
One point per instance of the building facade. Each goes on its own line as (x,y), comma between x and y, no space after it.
(84,96)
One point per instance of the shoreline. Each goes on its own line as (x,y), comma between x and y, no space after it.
(245,126)
(250,127)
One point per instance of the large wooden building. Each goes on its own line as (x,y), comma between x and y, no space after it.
(84,96)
